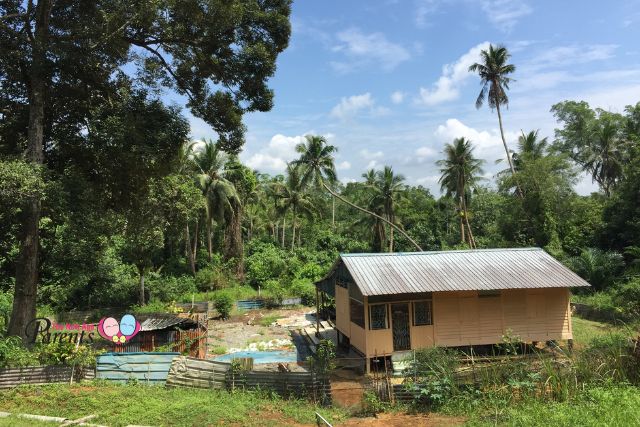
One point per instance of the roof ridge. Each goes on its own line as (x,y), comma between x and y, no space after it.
(451,251)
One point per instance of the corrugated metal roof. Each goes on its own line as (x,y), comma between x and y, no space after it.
(465,270)
(162,322)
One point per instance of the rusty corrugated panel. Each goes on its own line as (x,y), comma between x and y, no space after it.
(484,269)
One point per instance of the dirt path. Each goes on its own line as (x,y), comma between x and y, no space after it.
(404,420)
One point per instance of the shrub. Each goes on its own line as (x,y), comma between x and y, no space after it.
(608,358)
(14,354)
(6,302)
(431,376)
(265,262)
(274,291)
(223,303)
(212,279)
(598,267)
(167,288)
(627,299)
(304,289)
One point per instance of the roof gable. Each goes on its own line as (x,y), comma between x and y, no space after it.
(465,270)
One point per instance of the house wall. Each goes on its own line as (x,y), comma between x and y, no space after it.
(465,318)
(343,321)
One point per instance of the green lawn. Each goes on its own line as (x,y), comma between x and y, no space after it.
(118,405)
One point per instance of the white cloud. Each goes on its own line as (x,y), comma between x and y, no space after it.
(504,14)
(371,165)
(342,166)
(454,75)
(363,50)
(397,97)
(488,144)
(350,106)
(274,157)
(424,152)
(561,56)
(425,8)
(371,155)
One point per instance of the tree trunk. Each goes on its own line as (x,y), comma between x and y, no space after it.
(391,238)
(209,244)
(401,231)
(462,236)
(141,295)
(26,286)
(293,231)
(284,227)
(192,260)
(472,240)
(195,242)
(333,212)
(506,149)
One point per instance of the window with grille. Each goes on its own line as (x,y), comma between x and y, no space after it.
(357,312)
(422,313)
(378,316)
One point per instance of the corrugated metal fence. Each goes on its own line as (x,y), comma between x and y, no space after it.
(149,368)
(33,375)
(189,372)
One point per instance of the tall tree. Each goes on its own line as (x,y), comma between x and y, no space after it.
(215,188)
(296,199)
(596,140)
(461,170)
(218,54)
(317,167)
(494,77)
(386,188)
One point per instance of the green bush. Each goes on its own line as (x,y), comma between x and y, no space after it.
(167,288)
(212,279)
(223,303)
(627,299)
(6,304)
(265,262)
(14,355)
(608,358)
(304,289)
(431,376)
(274,292)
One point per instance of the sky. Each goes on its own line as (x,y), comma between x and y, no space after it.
(386,81)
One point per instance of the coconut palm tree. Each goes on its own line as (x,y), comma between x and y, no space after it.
(221,196)
(606,156)
(493,71)
(529,148)
(386,188)
(294,197)
(317,168)
(460,172)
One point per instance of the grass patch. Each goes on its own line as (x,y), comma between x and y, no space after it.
(119,405)
(236,292)
(585,331)
(219,349)
(614,405)
(268,319)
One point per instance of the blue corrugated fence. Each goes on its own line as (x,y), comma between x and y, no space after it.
(151,368)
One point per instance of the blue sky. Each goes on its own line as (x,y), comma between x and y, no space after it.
(387,81)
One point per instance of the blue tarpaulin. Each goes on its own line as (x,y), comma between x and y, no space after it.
(150,368)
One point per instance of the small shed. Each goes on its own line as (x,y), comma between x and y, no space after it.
(169,332)
(391,302)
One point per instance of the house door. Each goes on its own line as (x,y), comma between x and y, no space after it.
(400,326)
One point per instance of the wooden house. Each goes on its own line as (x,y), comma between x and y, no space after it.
(391,302)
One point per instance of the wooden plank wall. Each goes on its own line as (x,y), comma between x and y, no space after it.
(33,375)
(196,373)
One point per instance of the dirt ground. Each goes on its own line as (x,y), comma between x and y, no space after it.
(404,420)
(246,330)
